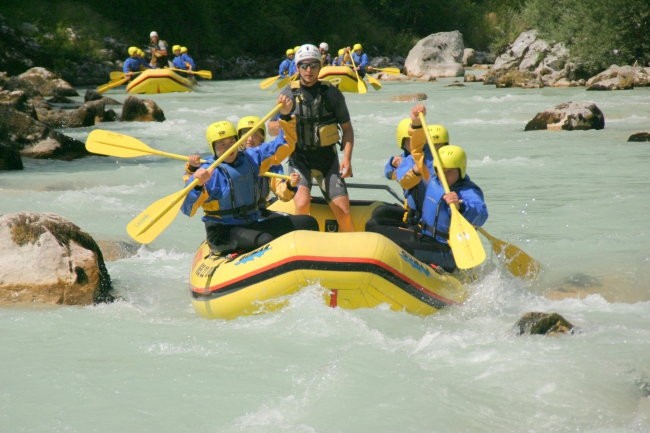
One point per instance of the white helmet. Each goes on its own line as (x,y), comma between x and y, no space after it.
(307,52)
(152,34)
(324,46)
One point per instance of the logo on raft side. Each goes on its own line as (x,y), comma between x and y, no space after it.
(414,263)
(253,255)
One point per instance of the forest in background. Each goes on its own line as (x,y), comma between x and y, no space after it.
(598,32)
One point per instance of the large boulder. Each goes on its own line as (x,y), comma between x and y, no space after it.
(48,260)
(620,78)
(531,62)
(568,116)
(46,83)
(437,55)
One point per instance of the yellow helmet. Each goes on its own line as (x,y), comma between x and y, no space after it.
(183,50)
(452,156)
(132,50)
(140,52)
(295,49)
(357,46)
(290,51)
(439,134)
(176,48)
(341,51)
(247,122)
(218,131)
(402,132)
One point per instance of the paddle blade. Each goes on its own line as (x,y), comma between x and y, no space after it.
(204,74)
(374,82)
(109,86)
(152,221)
(464,242)
(268,82)
(116,75)
(394,71)
(286,80)
(110,143)
(519,263)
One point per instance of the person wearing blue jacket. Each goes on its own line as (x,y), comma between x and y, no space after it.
(281,188)
(360,59)
(178,61)
(287,66)
(134,63)
(229,194)
(427,238)
(436,212)
(411,170)
(187,59)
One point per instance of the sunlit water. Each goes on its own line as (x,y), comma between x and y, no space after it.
(575,201)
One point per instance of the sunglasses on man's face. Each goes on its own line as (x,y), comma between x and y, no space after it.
(312,65)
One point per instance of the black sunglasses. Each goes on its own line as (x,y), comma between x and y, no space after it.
(312,65)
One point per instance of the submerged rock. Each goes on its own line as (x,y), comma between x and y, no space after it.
(543,323)
(639,136)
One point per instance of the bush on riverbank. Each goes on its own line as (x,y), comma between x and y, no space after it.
(94,31)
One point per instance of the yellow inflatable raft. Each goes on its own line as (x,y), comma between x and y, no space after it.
(342,77)
(159,81)
(357,270)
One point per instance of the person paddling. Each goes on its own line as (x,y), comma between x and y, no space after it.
(282,188)
(134,63)
(428,241)
(229,194)
(287,67)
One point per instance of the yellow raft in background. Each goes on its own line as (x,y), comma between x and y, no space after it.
(159,81)
(357,270)
(342,77)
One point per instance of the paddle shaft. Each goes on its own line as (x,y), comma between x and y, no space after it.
(201,73)
(361,86)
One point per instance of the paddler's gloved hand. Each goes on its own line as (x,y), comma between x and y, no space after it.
(194,162)
(418,138)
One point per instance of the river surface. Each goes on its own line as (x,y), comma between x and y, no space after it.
(578,202)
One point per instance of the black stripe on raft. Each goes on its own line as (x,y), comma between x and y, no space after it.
(290,266)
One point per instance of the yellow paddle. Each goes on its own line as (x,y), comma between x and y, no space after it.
(394,71)
(146,227)
(116,75)
(518,262)
(361,85)
(111,85)
(374,82)
(110,143)
(268,82)
(202,73)
(463,238)
(286,80)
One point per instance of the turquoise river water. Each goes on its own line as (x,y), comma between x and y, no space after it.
(575,201)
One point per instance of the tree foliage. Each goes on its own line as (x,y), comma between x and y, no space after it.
(598,32)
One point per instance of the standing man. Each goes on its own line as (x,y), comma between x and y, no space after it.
(325,55)
(158,51)
(322,121)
